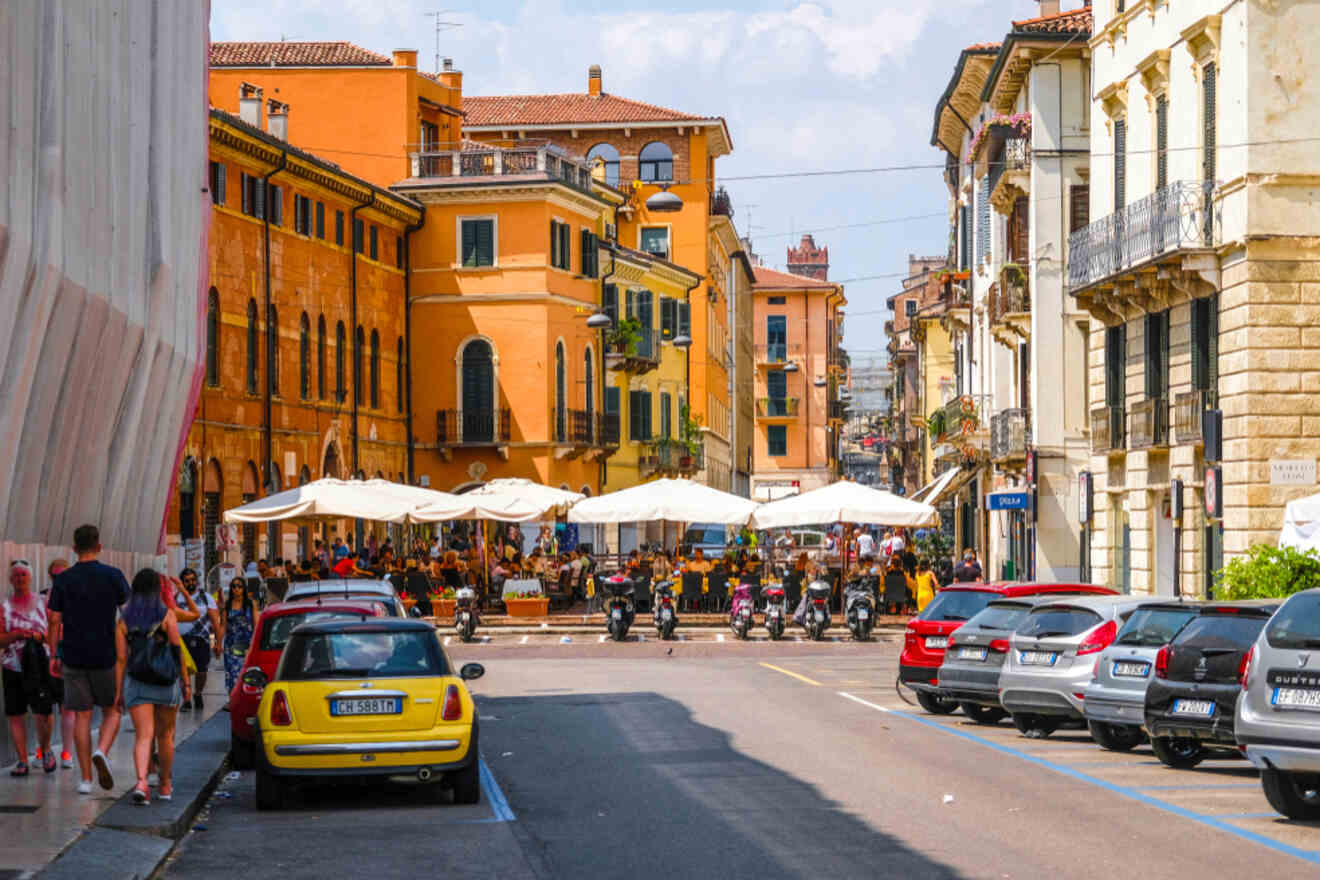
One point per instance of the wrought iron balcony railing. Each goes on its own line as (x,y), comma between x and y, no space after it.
(573,427)
(777,407)
(1010,431)
(1149,423)
(640,356)
(720,203)
(472,427)
(607,430)
(1181,216)
(672,457)
(1189,414)
(838,409)
(501,162)
(1012,295)
(1107,424)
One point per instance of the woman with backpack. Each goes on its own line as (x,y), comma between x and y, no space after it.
(148,637)
(23,656)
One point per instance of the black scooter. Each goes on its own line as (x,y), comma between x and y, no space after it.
(859,602)
(465,613)
(619,610)
(666,611)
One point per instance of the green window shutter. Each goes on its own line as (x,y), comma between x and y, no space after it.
(685,319)
(1212,347)
(1208,86)
(666,415)
(374,251)
(469,243)
(320,220)
(554,244)
(612,399)
(668,316)
(646,415)
(565,246)
(585,259)
(1200,354)
(635,415)
(1115,372)
(630,304)
(339,228)
(1152,369)
(485,242)
(244,193)
(609,301)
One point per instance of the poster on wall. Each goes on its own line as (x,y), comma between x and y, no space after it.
(192,554)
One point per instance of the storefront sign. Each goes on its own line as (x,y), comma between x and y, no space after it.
(1292,472)
(1006,501)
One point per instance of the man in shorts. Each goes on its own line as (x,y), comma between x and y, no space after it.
(83,612)
(196,635)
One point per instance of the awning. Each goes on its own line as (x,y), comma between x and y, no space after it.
(943,486)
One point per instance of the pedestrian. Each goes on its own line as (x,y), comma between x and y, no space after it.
(84,603)
(196,635)
(339,551)
(865,543)
(149,692)
(26,667)
(969,570)
(67,716)
(238,620)
(926,584)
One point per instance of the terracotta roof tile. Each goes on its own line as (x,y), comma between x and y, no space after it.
(981,47)
(770,278)
(1073,21)
(515,110)
(291,54)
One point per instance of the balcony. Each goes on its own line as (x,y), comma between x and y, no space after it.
(539,161)
(720,203)
(671,458)
(838,360)
(578,431)
(775,354)
(777,408)
(954,422)
(1178,218)
(1010,174)
(1189,414)
(607,431)
(838,410)
(1148,423)
(1010,432)
(635,352)
(1010,306)
(1107,435)
(456,428)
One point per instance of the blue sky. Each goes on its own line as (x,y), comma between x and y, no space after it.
(805,86)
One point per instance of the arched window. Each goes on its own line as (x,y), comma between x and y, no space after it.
(359,343)
(305,356)
(188,499)
(273,350)
(375,369)
(213,338)
(341,390)
(253,340)
(478,398)
(609,158)
(588,374)
(400,379)
(320,358)
(561,412)
(657,162)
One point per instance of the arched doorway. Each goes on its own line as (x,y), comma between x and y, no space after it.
(249,493)
(330,464)
(478,396)
(188,499)
(212,485)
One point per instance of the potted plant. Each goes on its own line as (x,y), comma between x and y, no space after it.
(442,602)
(689,436)
(527,604)
(936,425)
(623,337)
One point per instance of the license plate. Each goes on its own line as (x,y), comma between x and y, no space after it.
(1204,708)
(373,706)
(1296,698)
(971,653)
(617,614)
(820,615)
(1037,658)
(1127,669)
(863,614)
(667,614)
(937,641)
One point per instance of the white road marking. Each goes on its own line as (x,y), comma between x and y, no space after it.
(869,705)
(447,641)
(602,638)
(719,637)
(524,639)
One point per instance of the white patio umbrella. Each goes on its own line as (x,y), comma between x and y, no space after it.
(681,501)
(377,500)
(510,499)
(844,501)
(1301,524)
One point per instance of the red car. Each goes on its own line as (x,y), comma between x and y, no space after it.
(928,632)
(274,625)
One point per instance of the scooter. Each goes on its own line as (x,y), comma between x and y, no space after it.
(818,610)
(859,605)
(776,611)
(741,610)
(465,613)
(619,611)
(666,611)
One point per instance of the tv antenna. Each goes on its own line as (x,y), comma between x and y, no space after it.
(441,26)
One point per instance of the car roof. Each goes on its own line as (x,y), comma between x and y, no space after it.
(1011,589)
(1092,602)
(374,625)
(1254,607)
(340,585)
(280,608)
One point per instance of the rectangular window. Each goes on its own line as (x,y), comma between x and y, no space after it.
(398,251)
(612,399)
(655,241)
(478,242)
(609,301)
(1205,344)
(1116,366)
(966,252)
(776,338)
(302,215)
(639,415)
(1161,142)
(668,317)
(339,228)
(666,414)
(254,196)
(320,220)
(276,201)
(776,384)
(590,254)
(1120,164)
(777,300)
(1079,206)
(685,319)
(359,237)
(910,308)
(373,237)
(561,245)
(217,183)
(776,440)
(1157,355)
(982,218)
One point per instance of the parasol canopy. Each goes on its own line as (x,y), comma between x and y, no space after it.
(845,501)
(665,500)
(377,500)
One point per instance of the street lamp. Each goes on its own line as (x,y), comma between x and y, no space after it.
(599,321)
(664,202)
(790,367)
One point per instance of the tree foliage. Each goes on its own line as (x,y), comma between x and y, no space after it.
(1268,573)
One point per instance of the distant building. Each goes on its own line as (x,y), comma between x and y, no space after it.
(808,260)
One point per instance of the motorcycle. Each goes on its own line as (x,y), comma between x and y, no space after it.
(776,611)
(817,618)
(859,605)
(666,611)
(741,610)
(465,613)
(619,610)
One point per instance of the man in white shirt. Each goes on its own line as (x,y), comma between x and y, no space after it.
(438,548)
(865,543)
(196,635)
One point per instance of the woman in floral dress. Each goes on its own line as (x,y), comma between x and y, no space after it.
(236,626)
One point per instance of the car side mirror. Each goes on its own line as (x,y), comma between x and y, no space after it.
(471,671)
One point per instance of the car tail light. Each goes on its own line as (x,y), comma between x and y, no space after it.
(1000,646)
(949,643)
(1095,670)
(1162,663)
(1100,638)
(279,710)
(1244,668)
(1079,696)
(453,705)
(254,680)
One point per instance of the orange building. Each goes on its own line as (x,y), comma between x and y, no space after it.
(306,351)
(798,325)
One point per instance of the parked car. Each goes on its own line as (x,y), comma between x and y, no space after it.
(710,538)
(274,626)
(381,592)
(1278,714)
(928,633)
(1051,657)
(1115,704)
(1192,700)
(975,656)
(364,699)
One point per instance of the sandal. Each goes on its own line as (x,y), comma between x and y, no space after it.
(48,763)
(20,769)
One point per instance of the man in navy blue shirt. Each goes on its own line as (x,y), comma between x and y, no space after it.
(83,610)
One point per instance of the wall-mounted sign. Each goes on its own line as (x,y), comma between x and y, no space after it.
(1176,500)
(1292,472)
(1085,484)
(1006,501)
(1214,492)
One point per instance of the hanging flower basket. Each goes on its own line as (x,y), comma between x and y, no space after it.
(1017,125)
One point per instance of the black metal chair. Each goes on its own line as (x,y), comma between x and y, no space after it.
(718,597)
(642,592)
(692,596)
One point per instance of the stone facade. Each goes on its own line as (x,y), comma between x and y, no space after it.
(808,260)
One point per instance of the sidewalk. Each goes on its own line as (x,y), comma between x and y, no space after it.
(42,815)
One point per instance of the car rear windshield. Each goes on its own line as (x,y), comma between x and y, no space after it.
(704,536)
(1046,622)
(957,605)
(1153,627)
(276,631)
(1232,631)
(1296,624)
(361,655)
(1006,616)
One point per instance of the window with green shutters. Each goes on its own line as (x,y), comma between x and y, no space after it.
(1157,355)
(639,416)
(590,254)
(609,302)
(1205,345)
(478,242)
(982,218)
(668,317)
(1116,366)
(218,183)
(320,220)
(776,440)
(561,245)
(358,236)
(611,401)
(685,319)
(666,414)
(275,199)
(965,217)
(1208,84)
(339,228)
(1161,142)
(374,250)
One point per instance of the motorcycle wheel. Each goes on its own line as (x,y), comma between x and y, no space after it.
(776,632)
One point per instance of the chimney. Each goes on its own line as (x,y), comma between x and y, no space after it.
(1049,7)
(249,104)
(450,77)
(448,65)
(405,58)
(277,123)
(594,81)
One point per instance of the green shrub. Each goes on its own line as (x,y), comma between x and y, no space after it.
(1268,573)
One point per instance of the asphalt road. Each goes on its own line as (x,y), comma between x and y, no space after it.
(738,760)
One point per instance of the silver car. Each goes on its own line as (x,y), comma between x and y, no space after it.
(1115,703)
(381,591)
(1051,657)
(969,673)
(1278,714)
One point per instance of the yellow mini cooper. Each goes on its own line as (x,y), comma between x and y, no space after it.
(367,697)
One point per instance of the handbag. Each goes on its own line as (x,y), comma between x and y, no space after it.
(151,658)
(199,648)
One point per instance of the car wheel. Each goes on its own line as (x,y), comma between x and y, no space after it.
(1177,752)
(1035,726)
(242,754)
(982,714)
(467,784)
(1295,795)
(936,705)
(270,791)
(1116,737)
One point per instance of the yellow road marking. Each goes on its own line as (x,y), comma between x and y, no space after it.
(790,674)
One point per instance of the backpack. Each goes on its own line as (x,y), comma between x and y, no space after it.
(151,658)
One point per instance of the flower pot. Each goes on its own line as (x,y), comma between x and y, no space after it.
(443,607)
(685,461)
(527,607)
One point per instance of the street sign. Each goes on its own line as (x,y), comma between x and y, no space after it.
(1214,492)
(1085,487)
(1006,501)
(226,536)
(1292,472)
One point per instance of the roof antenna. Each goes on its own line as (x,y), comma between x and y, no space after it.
(441,25)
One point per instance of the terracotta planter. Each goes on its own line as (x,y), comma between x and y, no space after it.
(527,607)
(408,602)
(443,608)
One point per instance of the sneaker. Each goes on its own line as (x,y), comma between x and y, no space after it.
(49,764)
(66,760)
(197,702)
(85,787)
(102,766)
(185,706)
(141,797)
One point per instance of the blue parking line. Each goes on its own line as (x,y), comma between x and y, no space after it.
(498,805)
(1123,790)
(1205,787)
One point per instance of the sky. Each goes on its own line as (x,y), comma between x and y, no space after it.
(804,86)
